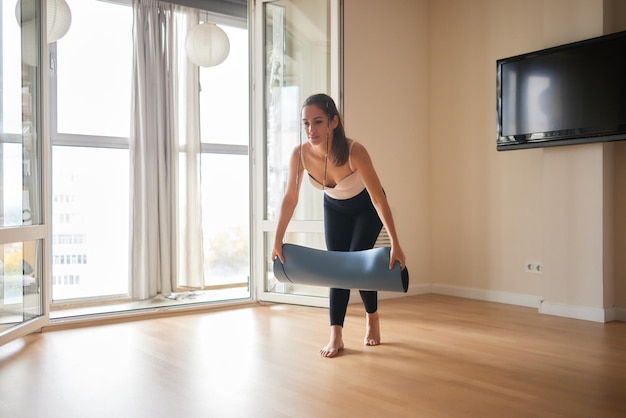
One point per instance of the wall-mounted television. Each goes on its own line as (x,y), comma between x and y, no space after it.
(564,95)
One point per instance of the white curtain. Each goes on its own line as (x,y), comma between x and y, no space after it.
(164,123)
(191,249)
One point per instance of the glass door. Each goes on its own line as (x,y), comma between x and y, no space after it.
(298,50)
(22,229)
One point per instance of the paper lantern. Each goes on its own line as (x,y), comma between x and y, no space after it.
(58,19)
(207,45)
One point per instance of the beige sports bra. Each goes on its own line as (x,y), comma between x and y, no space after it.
(347,187)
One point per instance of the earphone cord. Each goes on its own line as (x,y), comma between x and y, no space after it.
(326,157)
(299,159)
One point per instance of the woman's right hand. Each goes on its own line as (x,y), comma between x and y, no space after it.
(278,252)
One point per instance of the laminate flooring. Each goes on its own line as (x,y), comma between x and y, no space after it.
(440,357)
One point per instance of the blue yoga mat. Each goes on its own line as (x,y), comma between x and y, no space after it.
(364,270)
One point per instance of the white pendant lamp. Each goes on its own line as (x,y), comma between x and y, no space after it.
(58,19)
(207,45)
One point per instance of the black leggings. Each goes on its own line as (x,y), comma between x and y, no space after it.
(350,225)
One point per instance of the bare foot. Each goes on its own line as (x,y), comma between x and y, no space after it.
(336,342)
(372,329)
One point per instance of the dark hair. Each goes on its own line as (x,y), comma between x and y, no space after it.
(340,150)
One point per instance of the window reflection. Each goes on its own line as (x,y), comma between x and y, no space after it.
(15,200)
(20,282)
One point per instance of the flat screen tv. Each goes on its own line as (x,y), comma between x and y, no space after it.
(569,94)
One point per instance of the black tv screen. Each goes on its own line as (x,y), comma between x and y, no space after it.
(569,94)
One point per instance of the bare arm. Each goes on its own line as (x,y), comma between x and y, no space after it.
(362,162)
(288,205)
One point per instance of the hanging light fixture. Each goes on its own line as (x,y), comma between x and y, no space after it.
(207,45)
(58,19)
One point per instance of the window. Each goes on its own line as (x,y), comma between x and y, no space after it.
(299,53)
(225,166)
(90,134)
(22,232)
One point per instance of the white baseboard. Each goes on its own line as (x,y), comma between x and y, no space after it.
(488,295)
(545,307)
(530,301)
(577,312)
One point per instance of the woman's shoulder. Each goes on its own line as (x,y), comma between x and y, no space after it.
(304,146)
(359,154)
(301,148)
(356,148)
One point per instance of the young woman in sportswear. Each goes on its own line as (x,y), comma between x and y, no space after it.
(355,206)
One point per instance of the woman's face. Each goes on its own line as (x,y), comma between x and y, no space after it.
(315,124)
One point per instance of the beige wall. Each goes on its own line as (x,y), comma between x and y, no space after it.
(422,97)
(619,248)
(386,108)
(616,16)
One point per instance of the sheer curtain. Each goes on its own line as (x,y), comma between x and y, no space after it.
(164,134)
(191,250)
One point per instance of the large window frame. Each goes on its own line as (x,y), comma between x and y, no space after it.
(122,143)
(32,314)
(307,227)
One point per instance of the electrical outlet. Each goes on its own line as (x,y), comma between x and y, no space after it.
(535,267)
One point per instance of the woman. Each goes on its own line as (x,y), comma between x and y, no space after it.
(355,206)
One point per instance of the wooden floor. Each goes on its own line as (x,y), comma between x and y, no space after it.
(440,357)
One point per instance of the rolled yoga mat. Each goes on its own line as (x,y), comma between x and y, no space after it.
(364,270)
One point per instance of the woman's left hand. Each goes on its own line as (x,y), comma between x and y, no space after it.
(397,255)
